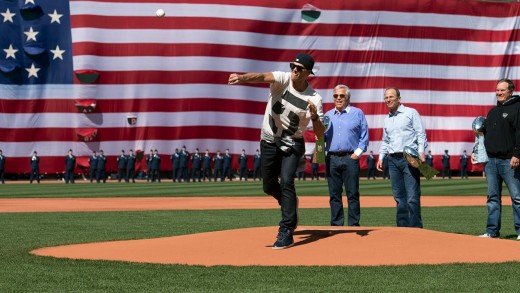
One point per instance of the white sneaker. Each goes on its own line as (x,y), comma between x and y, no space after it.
(518,238)
(487,235)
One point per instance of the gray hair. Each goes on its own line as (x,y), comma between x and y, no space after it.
(342,86)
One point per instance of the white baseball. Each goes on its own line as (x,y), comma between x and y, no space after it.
(160,12)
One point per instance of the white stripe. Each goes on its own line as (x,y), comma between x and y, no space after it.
(347,70)
(113,148)
(180,119)
(144,119)
(294,15)
(430,122)
(291,42)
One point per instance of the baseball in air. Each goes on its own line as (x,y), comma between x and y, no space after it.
(160,12)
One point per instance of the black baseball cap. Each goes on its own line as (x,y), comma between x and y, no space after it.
(306,60)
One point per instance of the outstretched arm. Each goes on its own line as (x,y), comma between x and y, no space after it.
(265,77)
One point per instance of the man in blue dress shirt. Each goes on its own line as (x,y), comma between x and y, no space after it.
(345,140)
(403,127)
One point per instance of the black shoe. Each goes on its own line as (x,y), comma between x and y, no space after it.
(284,239)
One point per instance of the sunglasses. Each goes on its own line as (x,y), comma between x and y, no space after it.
(298,67)
(340,96)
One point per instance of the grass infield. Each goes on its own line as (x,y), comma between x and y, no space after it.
(22,232)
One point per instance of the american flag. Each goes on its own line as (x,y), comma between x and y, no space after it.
(91,75)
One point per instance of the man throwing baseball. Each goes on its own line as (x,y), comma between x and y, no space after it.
(292,104)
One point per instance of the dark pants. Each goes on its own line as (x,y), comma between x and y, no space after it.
(406,187)
(2,175)
(243,173)
(92,175)
(156,175)
(371,173)
(100,174)
(120,174)
(315,171)
(183,174)
(446,172)
(464,172)
(343,171)
(35,175)
(227,172)
(218,174)
(206,174)
(195,174)
(69,176)
(257,173)
(130,175)
(278,168)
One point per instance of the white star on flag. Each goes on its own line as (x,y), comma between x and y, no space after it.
(31,35)
(30,1)
(55,17)
(8,16)
(10,52)
(33,71)
(57,53)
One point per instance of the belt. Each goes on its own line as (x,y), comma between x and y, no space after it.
(340,154)
(396,155)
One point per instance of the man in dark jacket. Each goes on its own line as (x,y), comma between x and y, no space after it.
(121,166)
(206,168)
(101,166)
(92,162)
(35,168)
(446,169)
(371,166)
(70,163)
(196,166)
(130,167)
(149,160)
(257,159)
(174,158)
(184,157)
(2,167)
(227,166)
(463,165)
(156,164)
(502,141)
(242,163)
(219,167)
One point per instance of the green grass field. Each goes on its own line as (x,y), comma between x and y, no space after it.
(22,232)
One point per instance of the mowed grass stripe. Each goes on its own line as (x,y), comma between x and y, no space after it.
(249,188)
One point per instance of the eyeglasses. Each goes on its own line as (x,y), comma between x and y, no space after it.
(339,96)
(298,67)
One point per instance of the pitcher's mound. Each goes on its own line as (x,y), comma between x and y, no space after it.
(314,246)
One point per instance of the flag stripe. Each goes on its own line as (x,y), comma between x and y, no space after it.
(267,54)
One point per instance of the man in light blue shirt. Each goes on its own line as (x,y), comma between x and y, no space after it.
(403,127)
(346,139)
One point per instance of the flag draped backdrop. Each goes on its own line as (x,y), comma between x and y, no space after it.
(90,75)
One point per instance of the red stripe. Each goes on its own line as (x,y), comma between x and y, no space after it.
(223,105)
(134,133)
(136,105)
(473,8)
(318,82)
(192,132)
(266,54)
(292,29)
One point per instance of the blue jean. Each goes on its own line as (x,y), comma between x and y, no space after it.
(278,168)
(497,172)
(406,187)
(343,171)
